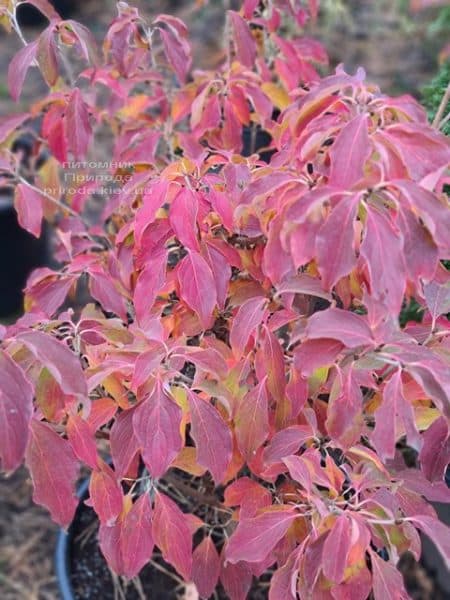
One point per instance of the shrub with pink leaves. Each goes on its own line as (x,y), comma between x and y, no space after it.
(241,336)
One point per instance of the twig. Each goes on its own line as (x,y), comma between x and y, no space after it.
(442,106)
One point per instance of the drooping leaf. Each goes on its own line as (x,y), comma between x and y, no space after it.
(206,567)
(212,436)
(255,538)
(18,68)
(252,420)
(249,316)
(183,218)
(63,364)
(235,578)
(148,284)
(136,536)
(387,580)
(28,204)
(16,408)
(123,441)
(341,325)
(172,535)
(105,494)
(243,40)
(53,480)
(344,419)
(435,453)
(46,55)
(197,287)
(335,242)
(349,153)
(81,438)
(156,425)
(79,130)
(336,549)
(438,532)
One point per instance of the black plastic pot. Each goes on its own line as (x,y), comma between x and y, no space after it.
(62,552)
(20,253)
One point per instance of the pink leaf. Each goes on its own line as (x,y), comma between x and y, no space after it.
(336,549)
(387,278)
(438,532)
(183,218)
(212,437)
(387,580)
(236,579)
(62,363)
(243,40)
(177,52)
(312,354)
(110,545)
(435,453)
(249,316)
(46,55)
(78,126)
(149,283)
(255,538)
(123,442)
(172,535)
(344,420)
(81,438)
(286,442)
(54,469)
(28,204)
(349,153)
(341,325)
(156,423)
(16,408)
(105,494)
(197,287)
(437,297)
(335,242)
(206,567)
(249,495)
(136,536)
(252,421)
(18,68)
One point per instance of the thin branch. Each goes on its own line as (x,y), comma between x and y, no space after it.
(441,110)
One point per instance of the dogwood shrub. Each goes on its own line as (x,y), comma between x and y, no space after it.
(242,330)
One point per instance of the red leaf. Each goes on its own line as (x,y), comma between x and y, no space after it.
(136,537)
(81,438)
(336,549)
(243,40)
(313,354)
(149,283)
(255,538)
(147,364)
(16,408)
(387,580)
(286,442)
(110,545)
(393,407)
(46,55)
(435,453)
(156,423)
(349,153)
(205,567)
(236,579)
(270,362)
(123,442)
(54,469)
(252,421)
(344,421)
(62,363)
(387,278)
(341,325)
(78,126)
(438,532)
(18,68)
(249,316)
(197,287)
(172,535)
(212,437)
(335,242)
(177,52)
(28,204)
(249,495)
(183,218)
(105,494)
